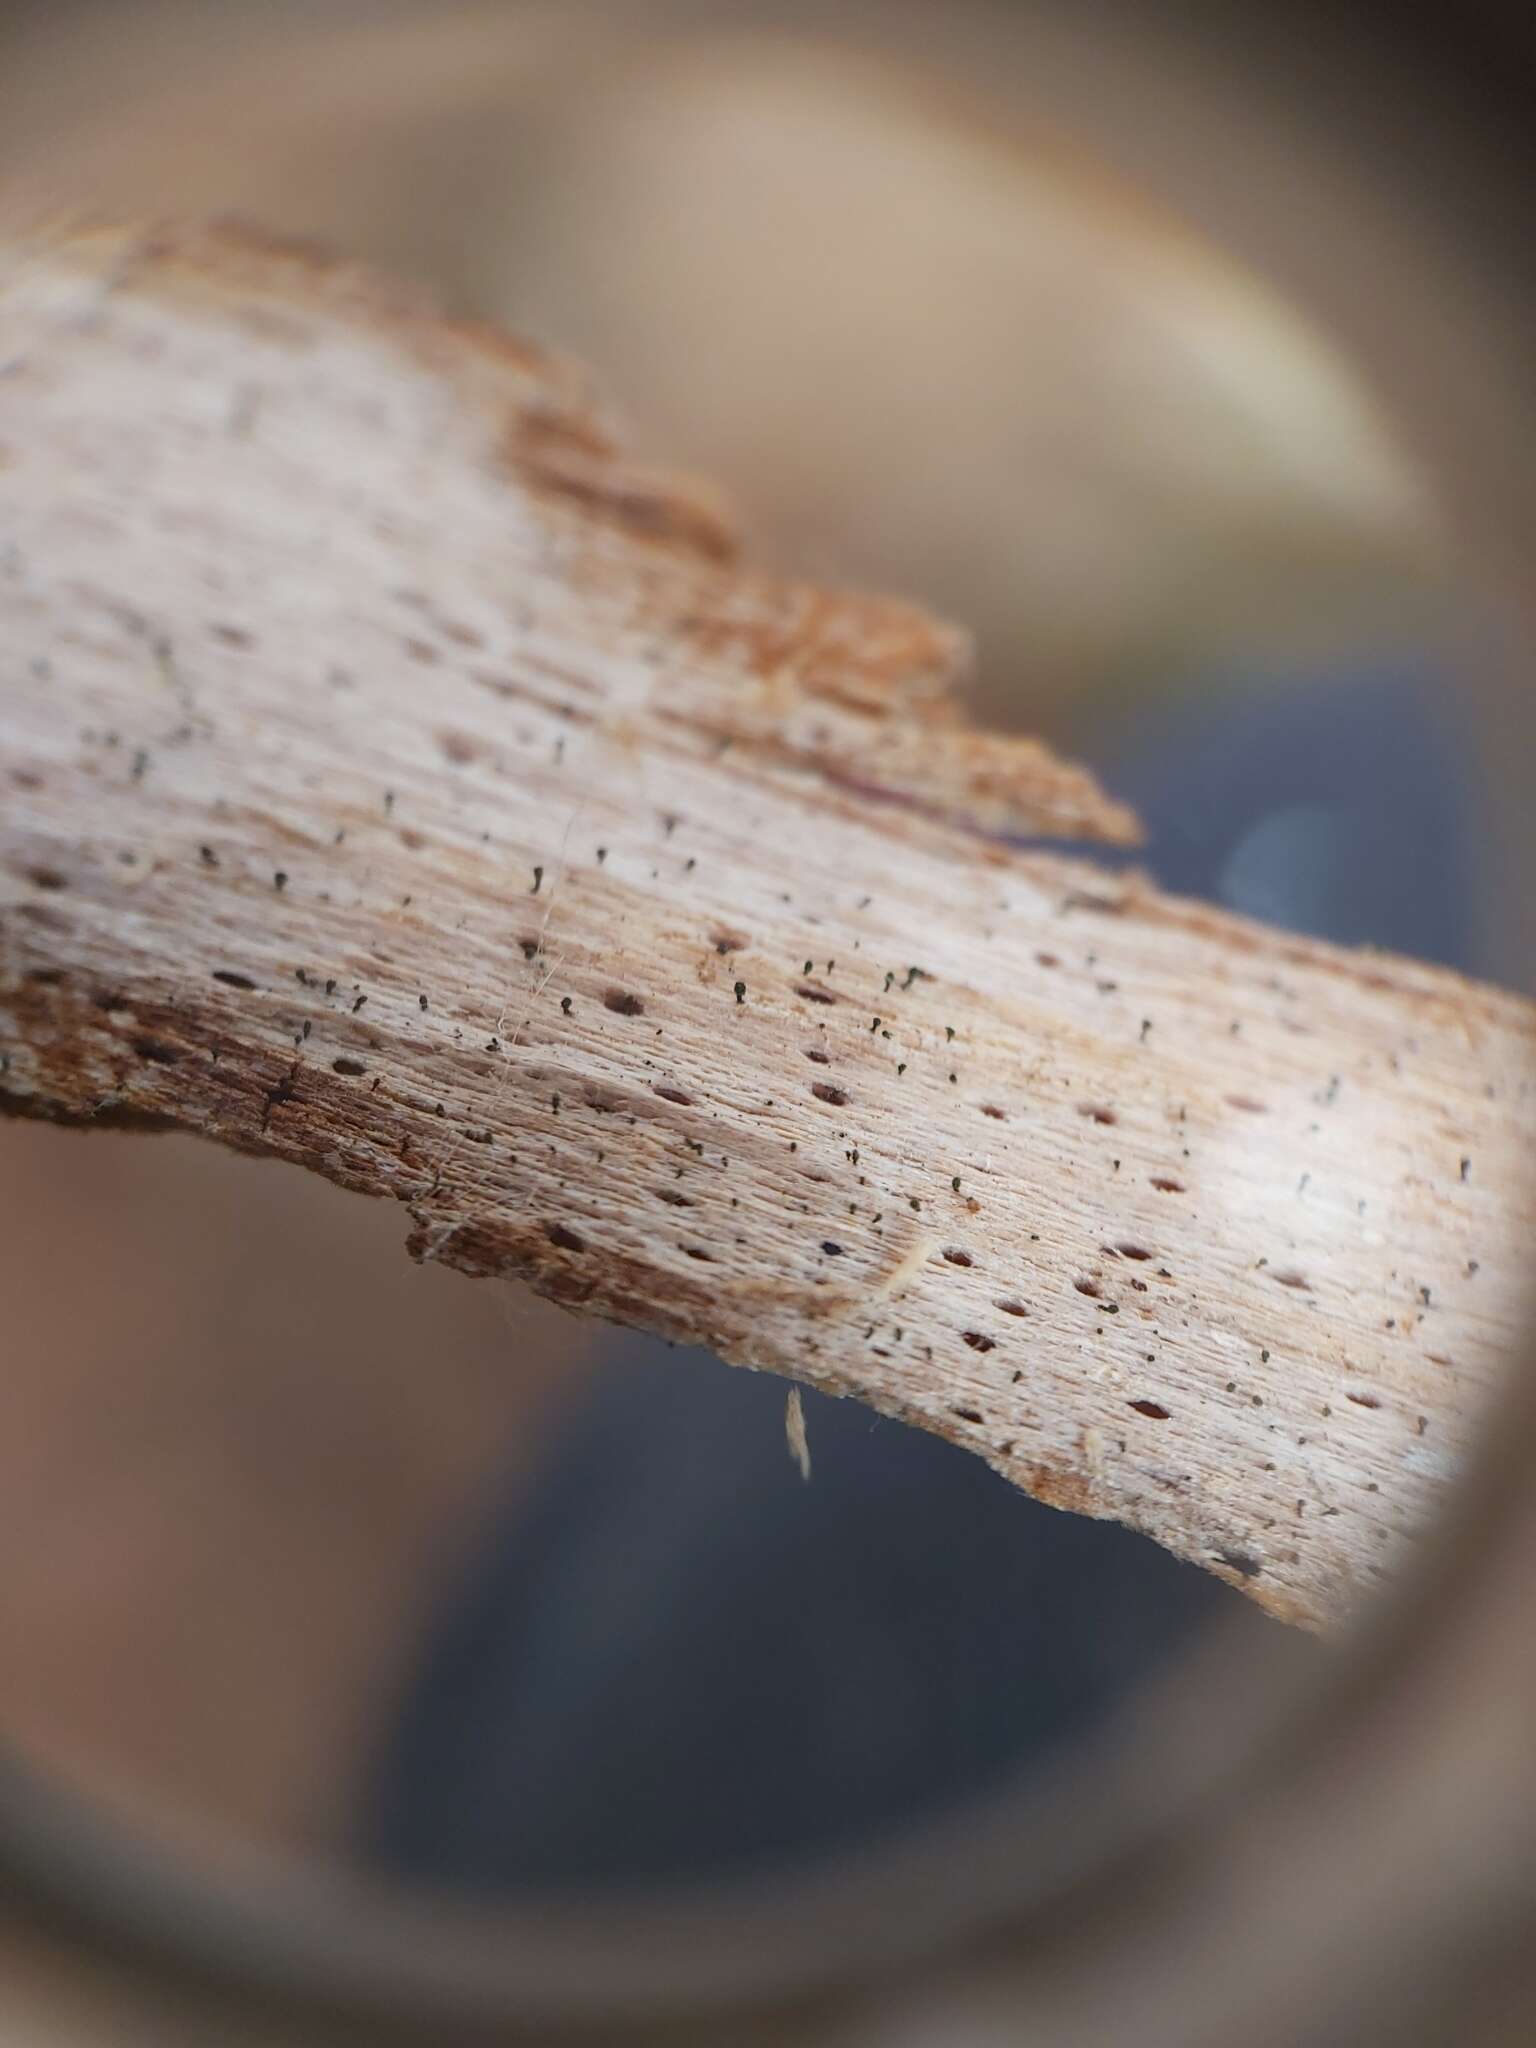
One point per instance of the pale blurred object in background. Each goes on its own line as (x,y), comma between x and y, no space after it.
(918,353)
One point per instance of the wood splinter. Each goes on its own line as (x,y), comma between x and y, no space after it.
(397,779)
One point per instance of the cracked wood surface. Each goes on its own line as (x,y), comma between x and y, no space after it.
(396,779)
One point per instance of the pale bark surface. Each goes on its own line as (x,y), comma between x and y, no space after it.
(395,780)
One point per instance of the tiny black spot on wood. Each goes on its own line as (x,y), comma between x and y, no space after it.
(1239,1561)
(50,878)
(968,1414)
(1154,1409)
(740,991)
(155,1052)
(231,979)
(423,1002)
(358,1004)
(280,881)
(538,881)
(282,1093)
(622,1003)
(565,1006)
(832,1249)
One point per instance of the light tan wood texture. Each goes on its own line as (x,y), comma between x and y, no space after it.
(396,779)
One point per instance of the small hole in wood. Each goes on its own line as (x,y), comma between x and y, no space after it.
(622,1003)
(956,1256)
(1154,1409)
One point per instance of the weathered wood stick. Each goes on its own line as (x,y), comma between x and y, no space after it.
(397,780)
